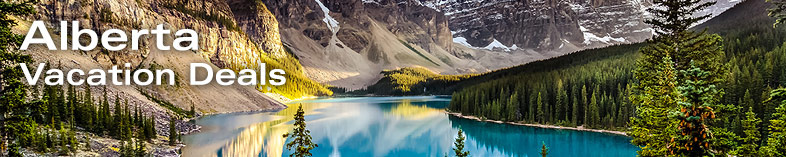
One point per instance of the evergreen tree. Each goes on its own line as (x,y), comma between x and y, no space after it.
(584,103)
(459,145)
(673,17)
(752,135)
(778,11)
(117,120)
(575,111)
(540,109)
(512,107)
(651,129)
(302,140)
(192,112)
(776,142)
(694,137)
(173,133)
(544,151)
(593,109)
(12,90)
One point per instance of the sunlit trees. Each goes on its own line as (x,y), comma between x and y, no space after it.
(750,143)
(778,11)
(776,142)
(15,124)
(301,141)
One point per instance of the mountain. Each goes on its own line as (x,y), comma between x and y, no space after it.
(348,43)
(590,87)
(232,34)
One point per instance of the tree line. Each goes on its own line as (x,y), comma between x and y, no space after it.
(678,88)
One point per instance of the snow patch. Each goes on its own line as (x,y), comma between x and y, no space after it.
(590,37)
(330,21)
(493,45)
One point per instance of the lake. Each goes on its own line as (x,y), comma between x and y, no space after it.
(388,126)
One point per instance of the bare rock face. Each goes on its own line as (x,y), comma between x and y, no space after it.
(348,42)
(232,34)
(544,24)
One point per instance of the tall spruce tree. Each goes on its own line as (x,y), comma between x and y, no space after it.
(776,142)
(695,109)
(513,107)
(301,139)
(173,133)
(593,109)
(674,49)
(651,129)
(750,145)
(540,117)
(544,151)
(459,145)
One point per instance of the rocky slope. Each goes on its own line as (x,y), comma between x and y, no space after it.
(552,24)
(231,35)
(348,42)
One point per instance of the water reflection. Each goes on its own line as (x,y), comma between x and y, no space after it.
(387,126)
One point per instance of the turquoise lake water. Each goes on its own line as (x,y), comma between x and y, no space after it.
(389,126)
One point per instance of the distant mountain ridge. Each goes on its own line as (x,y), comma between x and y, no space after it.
(347,43)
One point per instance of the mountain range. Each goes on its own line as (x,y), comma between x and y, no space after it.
(341,43)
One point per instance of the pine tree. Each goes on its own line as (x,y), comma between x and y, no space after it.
(694,137)
(459,145)
(778,11)
(541,118)
(673,17)
(776,142)
(593,110)
(544,151)
(139,145)
(512,107)
(584,103)
(301,139)
(173,133)
(752,138)
(559,102)
(575,111)
(191,112)
(12,90)
(651,129)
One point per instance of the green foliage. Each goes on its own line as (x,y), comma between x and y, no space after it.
(408,81)
(778,11)
(418,52)
(544,151)
(168,105)
(673,17)
(750,144)
(174,135)
(651,128)
(459,145)
(16,127)
(562,89)
(225,21)
(302,140)
(776,142)
(694,136)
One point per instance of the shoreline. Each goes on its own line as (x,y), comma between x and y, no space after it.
(537,125)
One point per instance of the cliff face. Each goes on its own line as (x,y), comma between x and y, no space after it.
(232,34)
(348,42)
(545,24)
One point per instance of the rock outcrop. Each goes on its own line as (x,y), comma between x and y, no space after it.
(232,34)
